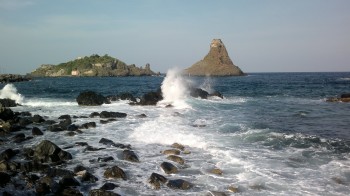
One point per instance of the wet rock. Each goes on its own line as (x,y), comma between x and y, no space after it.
(42,189)
(67,181)
(186,152)
(233,189)
(8,154)
(130,155)
(169,168)
(216,193)
(36,131)
(109,186)
(127,96)
(4,179)
(70,192)
(88,125)
(55,128)
(107,121)
(101,192)
(90,98)
(38,119)
(179,184)
(81,144)
(90,148)
(142,116)
(178,146)
(8,102)
(72,127)
(55,172)
(171,152)
(79,168)
(114,172)
(94,114)
(105,159)
(105,114)
(345,95)
(155,180)
(216,94)
(65,123)
(197,92)
(71,133)
(6,114)
(176,159)
(87,177)
(49,182)
(151,98)
(66,116)
(24,122)
(216,171)
(111,143)
(47,151)
(18,138)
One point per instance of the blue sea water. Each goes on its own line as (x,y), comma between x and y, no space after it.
(272,134)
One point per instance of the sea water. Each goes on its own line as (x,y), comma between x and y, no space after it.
(271,134)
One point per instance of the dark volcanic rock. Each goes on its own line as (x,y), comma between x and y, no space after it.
(114,172)
(127,96)
(105,114)
(197,92)
(105,159)
(109,186)
(8,154)
(94,114)
(4,179)
(168,168)
(156,179)
(111,143)
(47,151)
(345,95)
(130,155)
(101,192)
(179,184)
(66,116)
(151,98)
(88,177)
(38,119)
(69,181)
(88,125)
(70,192)
(24,122)
(8,103)
(90,98)
(36,131)
(216,94)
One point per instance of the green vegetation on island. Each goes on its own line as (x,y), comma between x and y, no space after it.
(93,65)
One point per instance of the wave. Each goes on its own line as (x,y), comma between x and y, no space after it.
(10,92)
(344,79)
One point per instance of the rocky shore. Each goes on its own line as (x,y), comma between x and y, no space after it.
(45,167)
(9,78)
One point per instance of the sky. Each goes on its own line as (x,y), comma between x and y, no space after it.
(259,35)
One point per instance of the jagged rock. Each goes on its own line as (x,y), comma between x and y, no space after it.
(179,184)
(90,98)
(176,159)
(111,143)
(66,116)
(101,192)
(87,177)
(343,98)
(105,114)
(55,172)
(47,151)
(216,63)
(114,172)
(130,155)
(156,179)
(169,168)
(197,92)
(9,78)
(67,181)
(216,94)
(36,131)
(65,123)
(127,96)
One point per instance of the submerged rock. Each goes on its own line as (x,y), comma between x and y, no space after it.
(179,184)
(130,155)
(171,152)
(109,186)
(178,146)
(176,159)
(105,114)
(114,172)
(8,102)
(156,179)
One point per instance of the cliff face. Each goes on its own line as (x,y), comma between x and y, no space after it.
(215,63)
(93,65)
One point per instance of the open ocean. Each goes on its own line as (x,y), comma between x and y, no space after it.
(272,134)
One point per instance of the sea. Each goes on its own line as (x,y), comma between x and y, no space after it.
(271,134)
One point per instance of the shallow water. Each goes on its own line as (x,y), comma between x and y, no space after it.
(272,134)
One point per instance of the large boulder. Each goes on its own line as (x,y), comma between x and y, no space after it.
(90,98)
(47,151)
(151,98)
(197,92)
(105,114)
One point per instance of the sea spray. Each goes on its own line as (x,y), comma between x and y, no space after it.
(9,91)
(207,85)
(174,89)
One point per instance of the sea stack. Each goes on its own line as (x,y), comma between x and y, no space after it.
(216,63)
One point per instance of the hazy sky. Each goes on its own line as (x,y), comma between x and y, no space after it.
(260,35)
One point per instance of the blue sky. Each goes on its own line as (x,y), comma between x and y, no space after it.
(260,35)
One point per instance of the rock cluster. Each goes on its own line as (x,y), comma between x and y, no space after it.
(216,63)
(343,98)
(9,78)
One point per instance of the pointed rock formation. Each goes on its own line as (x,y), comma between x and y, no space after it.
(216,63)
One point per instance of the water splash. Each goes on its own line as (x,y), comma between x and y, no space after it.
(174,89)
(10,92)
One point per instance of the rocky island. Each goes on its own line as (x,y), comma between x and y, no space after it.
(216,63)
(93,65)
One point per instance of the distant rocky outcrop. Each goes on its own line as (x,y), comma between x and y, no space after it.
(343,98)
(93,65)
(215,63)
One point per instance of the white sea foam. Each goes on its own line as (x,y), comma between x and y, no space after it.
(9,91)
(174,89)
